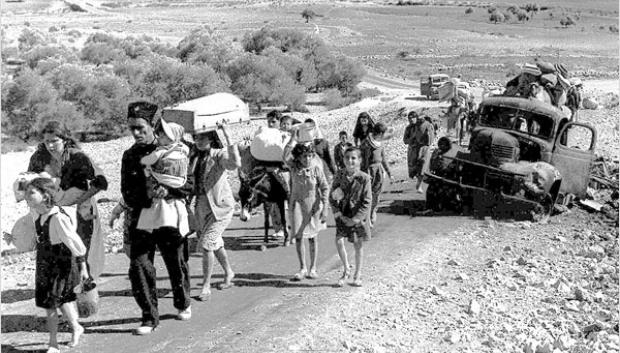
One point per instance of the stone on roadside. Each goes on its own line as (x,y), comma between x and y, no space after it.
(512,285)
(563,342)
(507,248)
(462,277)
(453,262)
(473,308)
(521,261)
(452,337)
(571,306)
(582,294)
(437,291)
(531,345)
(546,347)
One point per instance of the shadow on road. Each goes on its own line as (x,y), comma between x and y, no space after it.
(7,348)
(161,292)
(95,326)
(26,323)
(16,295)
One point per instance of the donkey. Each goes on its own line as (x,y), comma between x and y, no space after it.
(261,182)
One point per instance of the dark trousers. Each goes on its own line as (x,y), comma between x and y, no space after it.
(174,251)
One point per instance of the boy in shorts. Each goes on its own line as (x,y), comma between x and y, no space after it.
(351,198)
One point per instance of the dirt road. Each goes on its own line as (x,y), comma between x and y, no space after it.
(259,299)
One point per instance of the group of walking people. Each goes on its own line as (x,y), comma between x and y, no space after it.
(161,173)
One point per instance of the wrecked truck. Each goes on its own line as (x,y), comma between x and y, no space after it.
(523,157)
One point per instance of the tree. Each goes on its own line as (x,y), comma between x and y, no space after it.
(469,10)
(522,15)
(308,14)
(496,17)
(203,45)
(260,80)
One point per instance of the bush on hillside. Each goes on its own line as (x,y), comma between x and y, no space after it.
(205,46)
(29,38)
(260,80)
(41,52)
(300,71)
(100,53)
(567,21)
(496,17)
(469,10)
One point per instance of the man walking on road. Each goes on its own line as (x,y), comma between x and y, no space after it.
(140,244)
(419,135)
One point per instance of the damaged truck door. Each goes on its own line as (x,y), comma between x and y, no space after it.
(573,155)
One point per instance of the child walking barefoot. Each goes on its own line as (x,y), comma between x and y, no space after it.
(351,198)
(60,263)
(308,203)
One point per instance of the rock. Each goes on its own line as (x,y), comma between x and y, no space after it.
(452,337)
(512,286)
(453,262)
(531,345)
(563,342)
(595,327)
(559,238)
(582,294)
(521,261)
(563,288)
(546,347)
(437,291)
(473,308)
(571,306)
(462,277)
(507,248)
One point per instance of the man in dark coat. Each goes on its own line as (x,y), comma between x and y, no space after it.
(139,244)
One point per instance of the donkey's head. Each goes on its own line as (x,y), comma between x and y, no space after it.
(252,193)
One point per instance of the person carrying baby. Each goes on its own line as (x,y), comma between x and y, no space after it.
(166,166)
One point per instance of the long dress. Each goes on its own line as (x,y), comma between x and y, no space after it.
(309,196)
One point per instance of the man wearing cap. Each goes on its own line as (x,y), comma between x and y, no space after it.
(573,98)
(140,244)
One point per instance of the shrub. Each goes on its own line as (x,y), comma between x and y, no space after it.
(496,17)
(29,38)
(300,71)
(52,29)
(522,15)
(402,54)
(491,9)
(284,39)
(24,101)
(259,80)
(100,53)
(203,45)
(42,52)
(469,10)
(613,29)
(567,21)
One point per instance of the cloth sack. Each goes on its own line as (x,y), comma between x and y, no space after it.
(268,145)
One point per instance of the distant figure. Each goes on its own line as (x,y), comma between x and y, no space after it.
(419,135)
(573,98)
(351,200)
(340,149)
(321,148)
(273,119)
(363,127)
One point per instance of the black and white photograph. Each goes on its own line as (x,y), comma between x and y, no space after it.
(387,176)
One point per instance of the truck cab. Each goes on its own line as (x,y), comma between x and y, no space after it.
(430,84)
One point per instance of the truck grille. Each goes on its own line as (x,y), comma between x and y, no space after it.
(502,152)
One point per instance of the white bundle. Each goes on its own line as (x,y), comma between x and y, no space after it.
(268,145)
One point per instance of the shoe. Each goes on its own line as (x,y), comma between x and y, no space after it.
(279,234)
(357,282)
(300,275)
(143,330)
(53,350)
(185,315)
(312,274)
(420,191)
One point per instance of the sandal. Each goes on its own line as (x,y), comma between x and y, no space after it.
(204,295)
(312,274)
(75,338)
(53,350)
(225,285)
(299,275)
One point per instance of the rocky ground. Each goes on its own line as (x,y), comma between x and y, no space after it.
(488,287)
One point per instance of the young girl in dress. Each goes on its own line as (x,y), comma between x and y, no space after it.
(308,202)
(167,166)
(60,262)
(375,165)
(363,128)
